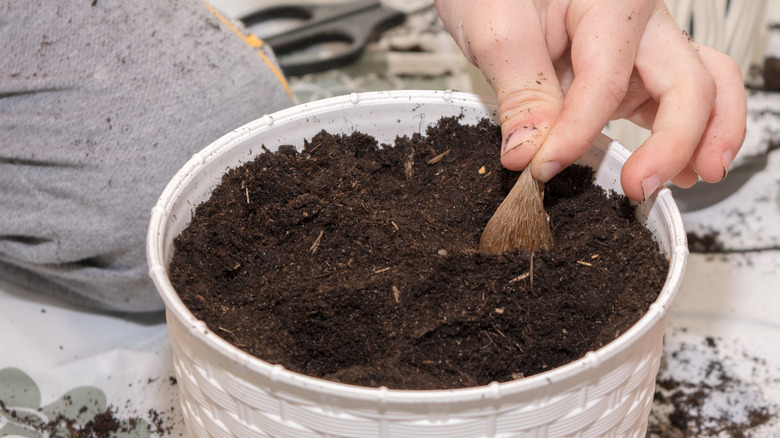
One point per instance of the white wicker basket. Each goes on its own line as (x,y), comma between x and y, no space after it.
(227,393)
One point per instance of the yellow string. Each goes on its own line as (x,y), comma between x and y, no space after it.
(256,43)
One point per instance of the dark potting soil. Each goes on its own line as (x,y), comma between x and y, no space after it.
(356,263)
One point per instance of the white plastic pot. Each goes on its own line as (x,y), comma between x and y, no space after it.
(227,393)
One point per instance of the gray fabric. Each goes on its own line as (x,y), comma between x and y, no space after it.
(101,102)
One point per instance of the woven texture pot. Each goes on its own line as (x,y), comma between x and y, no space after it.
(227,393)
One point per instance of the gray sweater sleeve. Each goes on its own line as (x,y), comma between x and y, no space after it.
(101,102)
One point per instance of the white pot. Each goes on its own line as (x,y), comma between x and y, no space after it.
(225,392)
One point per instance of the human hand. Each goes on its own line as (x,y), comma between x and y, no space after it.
(561,69)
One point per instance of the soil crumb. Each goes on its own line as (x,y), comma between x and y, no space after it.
(698,395)
(104,424)
(357,263)
(708,243)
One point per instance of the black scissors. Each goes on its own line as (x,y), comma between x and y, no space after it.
(354,23)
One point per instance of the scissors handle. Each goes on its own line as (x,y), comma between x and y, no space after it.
(354,23)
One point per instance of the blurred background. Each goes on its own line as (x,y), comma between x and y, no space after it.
(416,52)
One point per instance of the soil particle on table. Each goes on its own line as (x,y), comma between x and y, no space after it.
(101,425)
(708,243)
(357,263)
(699,395)
(76,417)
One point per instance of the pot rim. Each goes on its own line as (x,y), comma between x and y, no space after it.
(175,307)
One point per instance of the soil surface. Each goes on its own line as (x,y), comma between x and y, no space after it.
(357,263)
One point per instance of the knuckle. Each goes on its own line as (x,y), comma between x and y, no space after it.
(708,87)
(617,85)
(490,41)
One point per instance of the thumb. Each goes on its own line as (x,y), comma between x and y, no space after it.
(507,43)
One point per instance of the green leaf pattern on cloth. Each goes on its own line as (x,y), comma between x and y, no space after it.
(21,413)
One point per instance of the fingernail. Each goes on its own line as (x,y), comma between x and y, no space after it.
(518,137)
(726,158)
(650,185)
(549,169)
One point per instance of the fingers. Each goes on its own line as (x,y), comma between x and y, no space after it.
(725,131)
(602,59)
(684,179)
(507,42)
(675,77)
(613,59)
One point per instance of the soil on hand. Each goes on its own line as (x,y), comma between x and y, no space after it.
(358,263)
